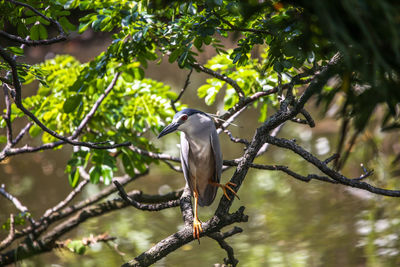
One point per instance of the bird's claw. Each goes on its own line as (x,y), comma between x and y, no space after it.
(227,186)
(197,229)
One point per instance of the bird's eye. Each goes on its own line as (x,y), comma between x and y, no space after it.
(184,117)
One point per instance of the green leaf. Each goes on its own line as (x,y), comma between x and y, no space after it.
(127,162)
(16,50)
(66,24)
(72,103)
(73,178)
(127,77)
(84,26)
(42,32)
(3,139)
(34,32)
(35,131)
(95,173)
(182,59)
(107,174)
(198,43)
(174,55)
(77,246)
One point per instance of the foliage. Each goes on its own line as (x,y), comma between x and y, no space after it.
(279,45)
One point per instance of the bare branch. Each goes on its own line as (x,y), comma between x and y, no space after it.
(300,121)
(141,206)
(22,133)
(308,117)
(239,29)
(16,202)
(235,139)
(7,116)
(265,146)
(242,104)
(333,157)
(328,171)
(219,76)
(187,82)
(366,174)
(87,241)
(8,240)
(184,236)
(67,200)
(220,238)
(96,105)
(18,39)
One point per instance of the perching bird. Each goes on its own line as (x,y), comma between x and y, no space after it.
(201,158)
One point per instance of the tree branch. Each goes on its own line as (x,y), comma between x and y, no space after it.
(8,240)
(141,206)
(59,38)
(219,76)
(328,171)
(16,203)
(187,82)
(220,238)
(67,200)
(184,236)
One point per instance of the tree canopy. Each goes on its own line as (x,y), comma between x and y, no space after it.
(288,56)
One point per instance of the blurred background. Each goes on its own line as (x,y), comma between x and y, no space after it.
(291,223)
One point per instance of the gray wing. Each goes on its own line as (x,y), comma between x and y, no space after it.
(211,190)
(217,155)
(185,159)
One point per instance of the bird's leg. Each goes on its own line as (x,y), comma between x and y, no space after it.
(224,187)
(197,229)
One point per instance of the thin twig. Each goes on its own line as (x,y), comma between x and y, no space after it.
(8,240)
(333,157)
(220,238)
(141,206)
(187,82)
(67,200)
(87,241)
(96,105)
(22,133)
(16,203)
(7,116)
(308,117)
(284,143)
(235,139)
(221,77)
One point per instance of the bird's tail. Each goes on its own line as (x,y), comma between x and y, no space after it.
(208,196)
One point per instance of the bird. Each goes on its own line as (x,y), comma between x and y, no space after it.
(201,158)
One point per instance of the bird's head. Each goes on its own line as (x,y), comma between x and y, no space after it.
(182,119)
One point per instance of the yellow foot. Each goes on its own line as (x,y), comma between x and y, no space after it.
(227,186)
(197,229)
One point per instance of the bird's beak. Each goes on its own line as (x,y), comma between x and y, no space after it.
(169,129)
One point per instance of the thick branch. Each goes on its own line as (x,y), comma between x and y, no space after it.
(184,236)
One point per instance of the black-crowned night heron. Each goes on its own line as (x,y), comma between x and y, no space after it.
(201,158)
